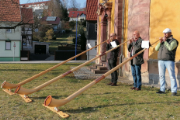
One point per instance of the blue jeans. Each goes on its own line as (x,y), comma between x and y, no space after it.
(136,73)
(162,65)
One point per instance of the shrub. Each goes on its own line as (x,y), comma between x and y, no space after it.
(72,24)
(54,37)
(35,37)
(49,34)
(82,38)
(68,31)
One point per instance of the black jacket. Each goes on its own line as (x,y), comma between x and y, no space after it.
(136,47)
(113,53)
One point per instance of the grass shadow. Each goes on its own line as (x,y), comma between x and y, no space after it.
(44,97)
(93,109)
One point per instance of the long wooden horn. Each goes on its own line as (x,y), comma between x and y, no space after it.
(51,102)
(7,85)
(24,91)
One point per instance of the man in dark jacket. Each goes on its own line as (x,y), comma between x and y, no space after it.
(113,59)
(134,47)
(166,57)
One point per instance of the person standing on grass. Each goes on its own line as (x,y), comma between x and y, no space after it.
(112,60)
(166,56)
(134,47)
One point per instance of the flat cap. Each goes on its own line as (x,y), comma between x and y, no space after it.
(167,30)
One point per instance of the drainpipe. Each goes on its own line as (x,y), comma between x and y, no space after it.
(122,39)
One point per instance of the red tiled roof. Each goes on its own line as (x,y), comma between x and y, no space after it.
(27,15)
(91,9)
(73,14)
(51,22)
(10,11)
(34,3)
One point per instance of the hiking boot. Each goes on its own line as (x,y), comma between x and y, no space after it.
(174,94)
(133,88)
(138,89)
(160,92)
(113,84)
(109,83)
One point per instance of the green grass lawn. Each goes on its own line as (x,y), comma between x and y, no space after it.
(100,102)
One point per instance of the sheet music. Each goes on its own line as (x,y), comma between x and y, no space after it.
(89,45)
(113,43)
(145,44)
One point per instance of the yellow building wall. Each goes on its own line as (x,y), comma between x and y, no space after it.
(125,27)
(112,16)
(164,14)
(99,31)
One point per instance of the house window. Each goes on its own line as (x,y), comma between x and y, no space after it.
(8,45)
(8,30)
(96,27)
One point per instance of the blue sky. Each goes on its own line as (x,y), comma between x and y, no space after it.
(80,2)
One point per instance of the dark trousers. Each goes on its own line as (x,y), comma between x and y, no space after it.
(112,64)
(136,73)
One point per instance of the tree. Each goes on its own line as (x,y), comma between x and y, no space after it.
(72,24)
(65,25)
(41,35)
(64,3)
(65,16)
(74,4)
(84,6)
(81,38)
(50,34)
(83,41)
(57,8)
(54,9)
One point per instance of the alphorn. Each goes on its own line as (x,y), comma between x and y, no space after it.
(23,91)
(6,85)
(51,102)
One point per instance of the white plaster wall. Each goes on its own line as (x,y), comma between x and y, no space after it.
(79,18)
(83,16)
(13,35)
(10,53)
(72,19)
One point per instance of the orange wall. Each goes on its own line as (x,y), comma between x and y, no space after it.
(164,14)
